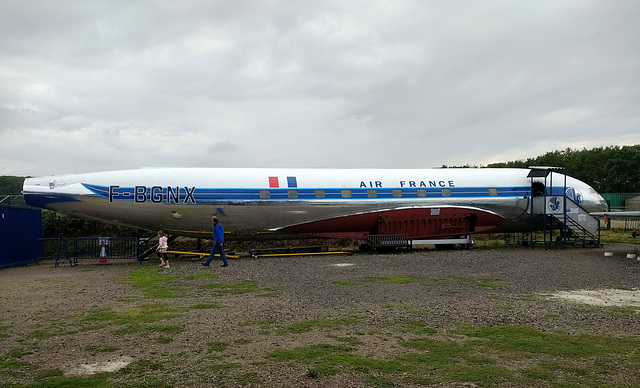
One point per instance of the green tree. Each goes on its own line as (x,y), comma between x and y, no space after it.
(11,185)
(612,169)
(73,226)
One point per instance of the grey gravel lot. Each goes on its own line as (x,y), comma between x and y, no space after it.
(442,288)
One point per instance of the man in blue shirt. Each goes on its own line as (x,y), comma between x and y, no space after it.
(218,243)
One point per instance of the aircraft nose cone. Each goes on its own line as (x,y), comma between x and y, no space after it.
(604,205)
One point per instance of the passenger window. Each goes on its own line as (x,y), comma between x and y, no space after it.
(397,193)
(293,193)
(372,193)
(493,192)
(346,193)
(446,192)
(422,192)
(265,194)
(319,193)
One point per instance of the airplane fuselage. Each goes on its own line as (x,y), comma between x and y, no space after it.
(277,203)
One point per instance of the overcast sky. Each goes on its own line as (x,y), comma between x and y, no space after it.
(105,85)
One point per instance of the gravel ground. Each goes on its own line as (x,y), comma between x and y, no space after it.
(43,309)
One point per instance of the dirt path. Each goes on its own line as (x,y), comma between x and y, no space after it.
(218,326)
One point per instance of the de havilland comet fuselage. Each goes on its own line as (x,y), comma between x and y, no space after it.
(269,203)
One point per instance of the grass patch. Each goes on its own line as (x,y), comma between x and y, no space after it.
(221,367)
(265,325)
(270,292)
(342,283)
(43,334)
(472,281)
(490,356)
(478,360)
(96,381)
(391,279)
(205,306)
(528,297)
(610,236)
(203,276)
(417,327)
(329,360)
(353,341)
(379,382)
(262,323)
(493,283)
(524,340)
(324,323)
(12,365)
(142,373)
(216,346)
(397,306)
(496,241)
(479,281)
(249,378)
(163,339)
(149,329)
(220,289)
(48,373)
(142,366)
(101,349)
(153,282)
(141,320)
(620,311)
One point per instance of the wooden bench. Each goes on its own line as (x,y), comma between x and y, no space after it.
(389,241)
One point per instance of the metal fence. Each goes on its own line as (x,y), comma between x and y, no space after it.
(56,249)
(12,200)
(631,224)
(114,248)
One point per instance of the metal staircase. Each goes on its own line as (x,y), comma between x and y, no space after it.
(570,221)
(560,213)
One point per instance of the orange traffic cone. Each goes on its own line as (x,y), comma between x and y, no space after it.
(103,255)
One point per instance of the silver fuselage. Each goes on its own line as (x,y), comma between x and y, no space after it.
(258,203)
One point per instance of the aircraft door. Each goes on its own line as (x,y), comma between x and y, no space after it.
(536,205)
(537,189)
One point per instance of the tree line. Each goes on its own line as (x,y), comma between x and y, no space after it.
(611,169)
(11,185)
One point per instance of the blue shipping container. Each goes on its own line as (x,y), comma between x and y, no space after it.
(20,236)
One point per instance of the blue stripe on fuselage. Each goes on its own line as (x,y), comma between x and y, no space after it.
(177,194)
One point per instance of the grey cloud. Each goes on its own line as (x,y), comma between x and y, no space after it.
(333,84)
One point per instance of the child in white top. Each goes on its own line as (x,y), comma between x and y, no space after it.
(161,251)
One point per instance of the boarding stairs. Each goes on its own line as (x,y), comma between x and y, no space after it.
(572,223)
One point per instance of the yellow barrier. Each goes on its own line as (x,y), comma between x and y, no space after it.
(300,254)
(200,254)
(204,254)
